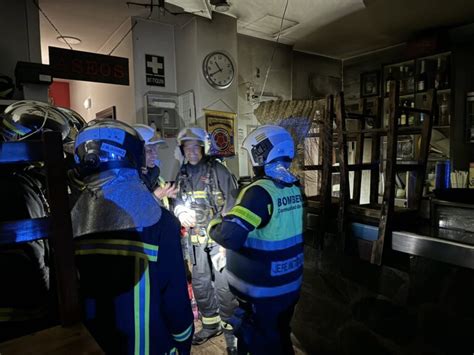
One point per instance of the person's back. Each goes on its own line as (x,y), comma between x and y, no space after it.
(134,289)
(128,250)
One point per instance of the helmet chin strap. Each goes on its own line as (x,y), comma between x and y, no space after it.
(37,130)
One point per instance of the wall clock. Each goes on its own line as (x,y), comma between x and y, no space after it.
(218,69)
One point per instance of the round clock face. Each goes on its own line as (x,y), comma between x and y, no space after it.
(218,70)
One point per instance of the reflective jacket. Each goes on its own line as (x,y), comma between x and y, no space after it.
(134,289)
(205,188)
(270,262)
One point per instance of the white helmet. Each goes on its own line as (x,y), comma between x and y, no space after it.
(269,143)
(195,134)
(148,134)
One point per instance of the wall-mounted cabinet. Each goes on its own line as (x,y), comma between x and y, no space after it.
(416,77)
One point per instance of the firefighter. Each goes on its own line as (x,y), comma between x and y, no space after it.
(205,191)
(128,251)
(263,237)
(151,173)
(25,295)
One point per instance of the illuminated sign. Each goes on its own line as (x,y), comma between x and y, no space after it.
(86,66)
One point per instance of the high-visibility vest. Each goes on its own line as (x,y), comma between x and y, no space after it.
(165,200)
(270,264)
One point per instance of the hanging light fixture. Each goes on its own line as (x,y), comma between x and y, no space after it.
(69,39)
(220,5)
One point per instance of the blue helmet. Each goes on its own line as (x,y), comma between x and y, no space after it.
(108,144)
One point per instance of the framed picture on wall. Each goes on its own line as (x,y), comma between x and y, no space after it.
(370,83)
(110,113)
(221,127)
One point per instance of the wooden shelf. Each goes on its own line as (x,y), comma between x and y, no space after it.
(7,102)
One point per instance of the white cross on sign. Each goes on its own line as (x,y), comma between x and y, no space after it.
(154,65)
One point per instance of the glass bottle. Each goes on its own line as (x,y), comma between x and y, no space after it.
(411,117)
(421,82)
(387,82)
(438,82)
(444,116)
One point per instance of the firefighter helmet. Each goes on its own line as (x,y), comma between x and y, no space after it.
(148,134)
(76,123)
(25,119)
(108,144)
(195,134)
(269,143)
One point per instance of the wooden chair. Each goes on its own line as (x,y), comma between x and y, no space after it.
(319,206)
(384,216)
(70,337)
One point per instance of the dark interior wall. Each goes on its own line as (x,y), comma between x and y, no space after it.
(462,47)
(463,71)
(352,68)
(315,76)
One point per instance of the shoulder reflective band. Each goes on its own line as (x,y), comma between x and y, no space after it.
(184,335)
(141,299)
(245,214)
(213,223)
(118,247)
(270,245)
(261,292)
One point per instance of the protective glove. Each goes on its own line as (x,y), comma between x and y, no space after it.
(187,217)
(219,260)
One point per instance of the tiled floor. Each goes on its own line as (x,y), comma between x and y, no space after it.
(216,346)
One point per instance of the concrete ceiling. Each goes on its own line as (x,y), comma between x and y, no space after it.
(335,28)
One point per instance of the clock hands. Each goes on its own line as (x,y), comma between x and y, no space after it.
(217,71)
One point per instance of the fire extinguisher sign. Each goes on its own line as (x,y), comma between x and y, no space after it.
(155,70)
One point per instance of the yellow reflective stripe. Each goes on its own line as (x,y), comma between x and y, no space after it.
(118,242)
(200,239)
(269,207)
(116,252)
(136,305)
(198,194)
(213,223)
(166,202)
(246,215)
(227,326)
(211,320)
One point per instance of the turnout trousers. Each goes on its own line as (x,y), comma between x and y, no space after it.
(263,327)
(211,290)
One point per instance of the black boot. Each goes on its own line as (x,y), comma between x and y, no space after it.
(205,334)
